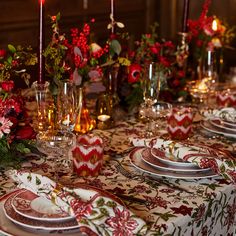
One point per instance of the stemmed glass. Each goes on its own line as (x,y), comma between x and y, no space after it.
(58,145)
(66,106)
(152,110)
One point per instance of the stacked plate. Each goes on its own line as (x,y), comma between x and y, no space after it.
(37,214)
(221,122)
(34,213)
(157,163)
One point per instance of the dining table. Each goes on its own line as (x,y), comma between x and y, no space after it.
(169,204)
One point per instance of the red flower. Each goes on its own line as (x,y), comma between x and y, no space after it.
(53,18)
(25,132)
(122,223)
(134,73)
(164,61)
(14,121)
(2,53)
(181,73)
(183,210)
(7,85)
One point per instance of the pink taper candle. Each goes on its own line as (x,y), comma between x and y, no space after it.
(112,15)
(41,59)
(185,15)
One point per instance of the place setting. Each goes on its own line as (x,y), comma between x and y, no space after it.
(220,121)
(40,205)
(176,156)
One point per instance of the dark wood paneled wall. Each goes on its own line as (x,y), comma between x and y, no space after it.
(19,18)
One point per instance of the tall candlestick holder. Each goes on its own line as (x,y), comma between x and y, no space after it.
(182,51)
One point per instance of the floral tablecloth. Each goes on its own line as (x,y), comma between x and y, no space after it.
(169,206)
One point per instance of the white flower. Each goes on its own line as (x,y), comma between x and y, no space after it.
(5,126)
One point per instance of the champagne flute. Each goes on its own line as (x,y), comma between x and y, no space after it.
(151,93)
(66,106)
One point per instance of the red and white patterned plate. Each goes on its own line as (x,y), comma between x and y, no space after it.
(30,205)
(157,163)
(171,160)
(136,160)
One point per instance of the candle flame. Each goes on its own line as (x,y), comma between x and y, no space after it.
(41,1)
(214,25)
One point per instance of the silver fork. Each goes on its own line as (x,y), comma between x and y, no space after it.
(120,168)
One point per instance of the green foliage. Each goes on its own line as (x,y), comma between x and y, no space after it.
(16,61)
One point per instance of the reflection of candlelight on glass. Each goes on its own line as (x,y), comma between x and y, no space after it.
(103,118)
(201,86)
(214,25)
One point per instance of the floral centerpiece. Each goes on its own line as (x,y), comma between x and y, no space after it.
(147,50)
(73,58)
(209,33)
(15,129)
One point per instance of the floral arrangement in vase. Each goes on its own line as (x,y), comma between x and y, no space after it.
(208,33)
(73,58)
(16,131)
(148,49)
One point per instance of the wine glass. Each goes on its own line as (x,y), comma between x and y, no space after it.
(58,145)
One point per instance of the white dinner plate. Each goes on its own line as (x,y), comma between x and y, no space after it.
(209,127)
(222,125)
(136,160)
(30,205)
(171,160)
(156,163)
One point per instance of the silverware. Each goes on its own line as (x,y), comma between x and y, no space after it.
(131,198)
(131,175)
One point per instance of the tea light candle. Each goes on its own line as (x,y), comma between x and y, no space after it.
(103,118)
(214,25)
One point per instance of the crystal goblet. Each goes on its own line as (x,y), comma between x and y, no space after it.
(58,145)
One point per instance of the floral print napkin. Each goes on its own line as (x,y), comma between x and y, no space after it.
(221,161)
(100,215)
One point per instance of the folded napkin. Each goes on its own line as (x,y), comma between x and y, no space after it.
(221,161)
(227,114)
(100,215)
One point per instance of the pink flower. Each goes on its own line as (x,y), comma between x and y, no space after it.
(4,126)
(122,223)
(95,74)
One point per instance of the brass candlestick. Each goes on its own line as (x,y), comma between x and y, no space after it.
(182,51)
